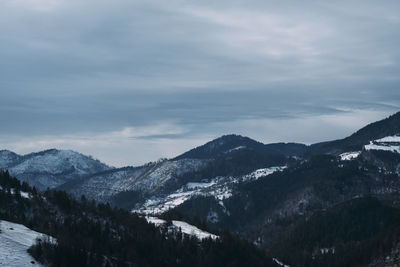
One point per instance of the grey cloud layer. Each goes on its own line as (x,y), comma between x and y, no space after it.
(95,66)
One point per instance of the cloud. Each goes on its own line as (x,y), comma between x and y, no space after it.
(125,147)
(138,145)
(181,70)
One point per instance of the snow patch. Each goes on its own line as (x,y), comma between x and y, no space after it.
(279,262)
(390,139)
(388,143)
(255,175)
(349,155)
(22,193)
(183,226)
(220,188)
(154,220)
(193,230)
(15,239)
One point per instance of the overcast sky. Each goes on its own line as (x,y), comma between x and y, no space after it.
(132,81)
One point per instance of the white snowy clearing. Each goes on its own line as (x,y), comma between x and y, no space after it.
(388,143)
(255,175)
(184,227)
(279,262)
(22,193)
(220,188)
(15,239)
(349,155)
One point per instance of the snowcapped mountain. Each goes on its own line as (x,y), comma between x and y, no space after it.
(162,180)
(8,158)
(219,188)
(149,178)
(50,168)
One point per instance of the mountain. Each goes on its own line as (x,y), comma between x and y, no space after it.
(230,155)
(352,233)
(147,179)
(364,166)
(266,209)
(229,143)
(377,130)
(8,158)
(15,240)
(50,168)
(90,234)
(329,204)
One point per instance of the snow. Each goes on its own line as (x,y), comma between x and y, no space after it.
(25,195)
(183,226)
(8,158)
(57,161)
(154,220)
(158,206)
(349,155)
(200,185)
(15,239)
(148,178)
(193,230)
(279,262)
(255,175)
(50,168)
(373,146)
(219,187)
(22,193)
(390,139)
(327,250)
(388,143)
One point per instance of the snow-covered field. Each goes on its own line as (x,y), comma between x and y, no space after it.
(388,143)
(279,262)
(262,172)
(220,188)
(150,177)
(183,226)
(15,239)
(349,155)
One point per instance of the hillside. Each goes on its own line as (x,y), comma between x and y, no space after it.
(90,234)
(377,130)
(50,168)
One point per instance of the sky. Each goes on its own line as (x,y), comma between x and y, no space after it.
(133,81)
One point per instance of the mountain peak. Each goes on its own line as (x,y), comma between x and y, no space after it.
(51,167)
(221,145)
(233,142)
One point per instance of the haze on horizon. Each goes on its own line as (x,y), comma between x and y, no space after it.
(132,81)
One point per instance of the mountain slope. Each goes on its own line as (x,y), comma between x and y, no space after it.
(352,233)
(377,130)
(15,239)
(90,234)
(229,143)
(8,158)
(50,168)
(148,179)
(264,209)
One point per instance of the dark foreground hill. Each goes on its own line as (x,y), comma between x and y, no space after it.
(90,234)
